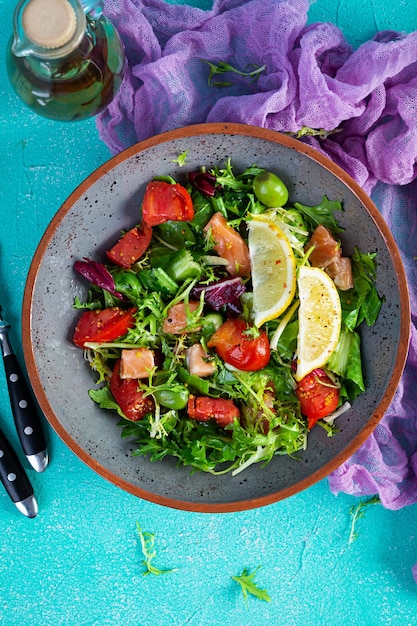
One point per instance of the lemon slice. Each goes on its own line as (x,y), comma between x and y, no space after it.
(319,319)
(273,269)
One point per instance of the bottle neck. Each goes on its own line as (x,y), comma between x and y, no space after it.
(48,29)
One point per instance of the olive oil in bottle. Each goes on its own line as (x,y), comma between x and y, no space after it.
(64,63)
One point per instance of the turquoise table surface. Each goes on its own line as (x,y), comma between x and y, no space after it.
(79,562)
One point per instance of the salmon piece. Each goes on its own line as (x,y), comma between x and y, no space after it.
(136,363)
(197,361)
(229,245)
(325,246)
(341,271)
(175,322)
(327,254)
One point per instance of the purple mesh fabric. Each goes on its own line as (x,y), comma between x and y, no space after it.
(313,78)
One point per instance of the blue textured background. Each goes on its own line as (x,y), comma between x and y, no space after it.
(79,561)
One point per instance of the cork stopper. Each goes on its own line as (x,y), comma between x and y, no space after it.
(49,23)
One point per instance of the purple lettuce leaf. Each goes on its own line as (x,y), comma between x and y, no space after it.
(224,292)
(97,274)
(204,182)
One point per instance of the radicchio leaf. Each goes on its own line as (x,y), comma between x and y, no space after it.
(234,308)
(204,182)
(97,274)
(224,292)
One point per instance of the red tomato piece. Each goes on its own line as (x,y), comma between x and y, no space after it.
(103,325)
(129,397)
(203,409)
(229,245)
(131,246)
(238,348)
(163,202)
(317,395)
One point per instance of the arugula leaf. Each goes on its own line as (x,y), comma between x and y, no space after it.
(357,512)
(105,400)
(232,196)
(322,213)
(147,540)
(249,586)
(364,275)
(203,211)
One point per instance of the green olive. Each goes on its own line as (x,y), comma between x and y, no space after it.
(270,189)
(174,398)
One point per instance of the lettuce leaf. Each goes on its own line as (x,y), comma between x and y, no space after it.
(346,363)
(322,213)
(362,303)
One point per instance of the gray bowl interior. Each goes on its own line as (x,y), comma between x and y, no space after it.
(90,222)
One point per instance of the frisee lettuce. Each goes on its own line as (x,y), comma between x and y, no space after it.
(147,542)
(357,512)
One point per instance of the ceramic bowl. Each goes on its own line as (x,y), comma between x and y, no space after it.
(85,226)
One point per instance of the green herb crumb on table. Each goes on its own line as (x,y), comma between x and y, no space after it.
(249,586)
(147,542)
(357,511)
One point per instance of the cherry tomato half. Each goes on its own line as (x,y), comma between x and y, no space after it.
(165,201)
(203,409)
(131,246)
(128,396)
(103,325)
(317,395)
(238,348)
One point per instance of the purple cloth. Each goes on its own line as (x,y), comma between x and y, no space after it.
(387,462)
(313,78)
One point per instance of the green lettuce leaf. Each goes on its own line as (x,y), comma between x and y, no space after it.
(362,303)
(346,363)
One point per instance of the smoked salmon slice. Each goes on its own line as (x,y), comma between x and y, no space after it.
(327,254)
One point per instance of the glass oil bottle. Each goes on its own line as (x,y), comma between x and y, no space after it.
(65,60)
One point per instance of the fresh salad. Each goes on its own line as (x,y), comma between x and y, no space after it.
(223,326)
